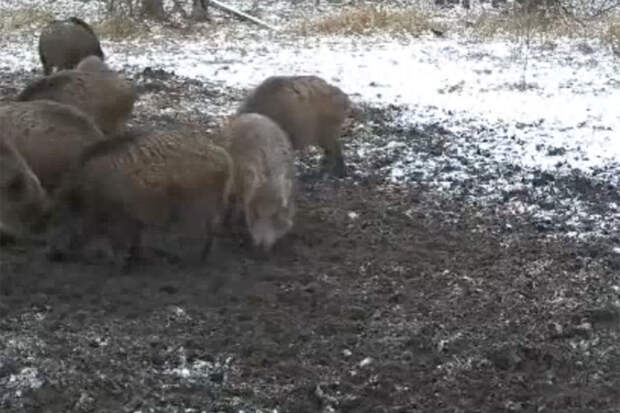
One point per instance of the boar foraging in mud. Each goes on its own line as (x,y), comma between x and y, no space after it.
(64,43)
(23,201)
(49,136)
(92,88)
(308,109)
(264,177)
(167,183)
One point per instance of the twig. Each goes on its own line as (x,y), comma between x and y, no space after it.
(241,14)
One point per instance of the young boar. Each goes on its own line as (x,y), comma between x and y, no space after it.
(166,183)
(264,176)
(64,43)
(92,64)
(93,88)
(49,136)
(308,109)
(23,201)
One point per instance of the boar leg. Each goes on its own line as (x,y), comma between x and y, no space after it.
(125,236)
(47,68)
(67,235)
(211,248)
(208,247)
(195,230)
(330,142)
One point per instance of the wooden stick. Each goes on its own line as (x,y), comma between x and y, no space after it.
(242,15)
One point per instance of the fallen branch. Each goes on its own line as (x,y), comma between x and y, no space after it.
(243,15)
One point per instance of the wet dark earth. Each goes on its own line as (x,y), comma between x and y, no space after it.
(386,297)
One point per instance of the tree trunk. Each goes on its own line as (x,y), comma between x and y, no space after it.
(178,8)
(200,10)
(153,9)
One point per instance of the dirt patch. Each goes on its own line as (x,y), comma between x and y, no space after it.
(384,298)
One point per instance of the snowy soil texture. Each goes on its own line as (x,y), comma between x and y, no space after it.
(503,122)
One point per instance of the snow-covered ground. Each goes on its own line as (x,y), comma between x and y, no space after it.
(552,107)
(563,98)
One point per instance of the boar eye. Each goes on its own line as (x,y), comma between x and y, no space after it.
(15,188)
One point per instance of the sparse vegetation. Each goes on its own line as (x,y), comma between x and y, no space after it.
(532,22)
(118,27)
(517,22)
(27,18)
(612,37)
(369,19)
(543,23)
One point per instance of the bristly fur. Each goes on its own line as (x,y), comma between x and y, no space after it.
(43,84)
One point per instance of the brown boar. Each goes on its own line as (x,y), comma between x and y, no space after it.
(23,201)
(166,183)
(308,109)
(264,176)
(64,43)
(102,94)
(49,136)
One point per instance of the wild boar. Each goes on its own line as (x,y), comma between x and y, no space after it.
(92,63)
(264,177)
(49,136)
(23,201)
(102,94)
(308,109)
(166,183)
(64,43)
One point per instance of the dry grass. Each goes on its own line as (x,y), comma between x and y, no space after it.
(612,36)
(517,23)
(370,19)
(27,19)
(117,27)
(542,27)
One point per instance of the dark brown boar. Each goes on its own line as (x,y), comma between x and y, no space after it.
(64,43)
(23,201)
(102,94)
(308,109)
(165,183)
(264,176)
(49,136)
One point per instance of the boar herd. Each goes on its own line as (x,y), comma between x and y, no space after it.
(74,173)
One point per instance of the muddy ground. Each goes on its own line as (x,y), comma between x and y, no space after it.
(384,298)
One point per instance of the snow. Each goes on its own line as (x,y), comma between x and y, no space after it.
(554,106)
(571,100)
(573,103)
